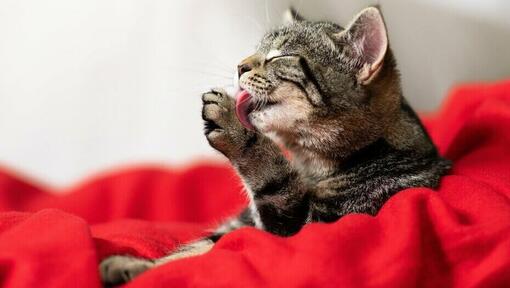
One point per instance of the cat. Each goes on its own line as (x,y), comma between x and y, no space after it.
(332,98)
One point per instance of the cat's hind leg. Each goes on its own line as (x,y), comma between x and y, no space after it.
(119,269)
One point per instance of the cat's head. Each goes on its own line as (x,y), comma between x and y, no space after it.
(316,83)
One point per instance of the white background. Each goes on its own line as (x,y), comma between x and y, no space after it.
(90,85)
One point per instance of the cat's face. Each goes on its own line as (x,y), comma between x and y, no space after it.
(305,73)
(285,74)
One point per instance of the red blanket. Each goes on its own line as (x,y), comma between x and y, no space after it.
(458,236)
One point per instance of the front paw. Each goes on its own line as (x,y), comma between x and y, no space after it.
(222,128)
(117,270)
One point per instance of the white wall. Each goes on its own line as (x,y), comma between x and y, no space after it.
(89,85)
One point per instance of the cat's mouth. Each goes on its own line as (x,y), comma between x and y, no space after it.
(246,104)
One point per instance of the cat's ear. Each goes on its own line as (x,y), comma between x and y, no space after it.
(366,43)
(291,16)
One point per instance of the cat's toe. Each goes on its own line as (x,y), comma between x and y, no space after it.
(223,130)
(117,270)
(219,97)
(217,110)
(213,118)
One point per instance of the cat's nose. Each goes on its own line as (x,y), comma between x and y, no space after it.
(249,64)
(243,68)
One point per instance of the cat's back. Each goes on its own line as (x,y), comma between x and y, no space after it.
(367,180)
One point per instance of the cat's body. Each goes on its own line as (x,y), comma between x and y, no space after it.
(332,98)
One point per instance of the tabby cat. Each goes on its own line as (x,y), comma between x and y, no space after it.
(332,98)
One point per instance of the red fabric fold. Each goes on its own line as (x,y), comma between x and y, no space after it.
(456,236)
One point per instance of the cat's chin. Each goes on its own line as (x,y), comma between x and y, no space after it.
(247,107)
(265,120)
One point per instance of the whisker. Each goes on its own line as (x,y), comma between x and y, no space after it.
(209,73)
(215,75)
(222,62)
(201,67)
(208,70)
(268,20)
(260,104)
(257,24)
(212,65)
(265,102)
(297,7)
(195,89)
(229,78)
(203,85)
(253,20)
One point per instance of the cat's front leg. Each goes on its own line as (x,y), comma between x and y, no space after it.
(278,196)
(227,135)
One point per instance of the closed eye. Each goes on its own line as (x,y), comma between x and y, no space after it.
(281,56)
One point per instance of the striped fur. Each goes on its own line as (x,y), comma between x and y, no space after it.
(332,98)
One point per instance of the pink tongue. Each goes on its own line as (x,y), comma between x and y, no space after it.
(243,108)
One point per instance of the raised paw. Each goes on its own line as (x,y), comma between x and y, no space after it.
(222,128)
(218,110)
(117,270)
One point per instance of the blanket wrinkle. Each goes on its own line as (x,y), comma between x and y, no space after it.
(455,236)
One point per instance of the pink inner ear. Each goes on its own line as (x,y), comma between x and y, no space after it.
(374,43)
(368,34)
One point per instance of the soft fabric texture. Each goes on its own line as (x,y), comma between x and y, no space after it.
(457,236)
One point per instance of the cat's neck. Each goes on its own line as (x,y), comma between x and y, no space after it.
(406,135)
